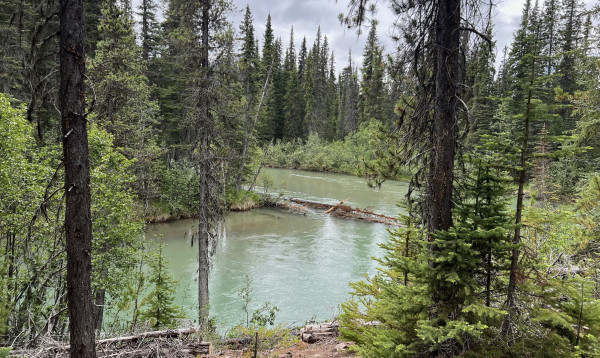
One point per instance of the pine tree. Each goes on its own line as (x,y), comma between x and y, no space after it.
(302,56)
(331,103)
(480,95)
(372,95)
(349,94)
(550,24)
(149,29)
(92,14)
(123,97)
(268,50)
(294,125)
(249,66)
(275,100)
(469,257)
(569,42)
(158,306)
(309,94)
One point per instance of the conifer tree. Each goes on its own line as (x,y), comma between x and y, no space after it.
(470,258)
(331,102)
(249,66)
(371,100)
(570,36)
(481,93)
(268,50)
(92,13)
(310,117)
(148,29)
(275,100)
(123,97)
(549,32)
(158,306)
(78,221)
(349,93)
(302,56)
(294,125)
(528,110)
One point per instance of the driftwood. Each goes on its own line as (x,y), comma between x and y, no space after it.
(165,344)
(238,342)
(204,348)
(336,206)
(339,210)
(318,332)
(153,334)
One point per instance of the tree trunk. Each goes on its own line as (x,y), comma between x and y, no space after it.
(98,309)
(204,214)
(78,223)
(514,263)
(445,115)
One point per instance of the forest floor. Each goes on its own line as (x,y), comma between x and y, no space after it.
(329,348)
(175,348)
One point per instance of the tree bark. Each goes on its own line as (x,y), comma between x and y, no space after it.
(78,223)
(514,263)
(445,115)
(204,214)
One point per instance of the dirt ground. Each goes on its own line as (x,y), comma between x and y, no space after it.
(330,348)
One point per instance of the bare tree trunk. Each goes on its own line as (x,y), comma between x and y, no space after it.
(98,309)
(445,115)
(249,128)
(78,223)
(204,221)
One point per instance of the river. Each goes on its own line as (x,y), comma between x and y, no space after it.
(300,263)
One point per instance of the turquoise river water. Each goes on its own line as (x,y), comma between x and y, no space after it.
(300,263)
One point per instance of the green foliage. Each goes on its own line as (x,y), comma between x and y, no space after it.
(277,336)
(123,98)
(118,229)
(178,191)
(31,217)
(348,156)
(158,306)
(437,295)
(5,352)
(258,320)
(260,317)
(371,103)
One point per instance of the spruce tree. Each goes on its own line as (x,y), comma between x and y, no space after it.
(159,306)
(570,36)
(310,117)
(149,29)
(470,260)
(249,67)
(372,92)
(294,125)
(123,97)
(349,94)
(331,103)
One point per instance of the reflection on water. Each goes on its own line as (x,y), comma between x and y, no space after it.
(301,264)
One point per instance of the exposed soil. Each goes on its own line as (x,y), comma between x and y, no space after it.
(175,348)
(329,348)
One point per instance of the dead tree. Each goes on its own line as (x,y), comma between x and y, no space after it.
(78,222)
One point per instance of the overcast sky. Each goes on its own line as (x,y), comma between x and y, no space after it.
(306,15)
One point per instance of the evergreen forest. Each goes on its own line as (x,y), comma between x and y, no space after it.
(116,114)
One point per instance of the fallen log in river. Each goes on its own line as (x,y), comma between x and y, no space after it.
(339,210)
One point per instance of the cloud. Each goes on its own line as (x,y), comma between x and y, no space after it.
(307,15)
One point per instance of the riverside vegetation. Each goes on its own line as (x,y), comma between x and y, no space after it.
(181,108)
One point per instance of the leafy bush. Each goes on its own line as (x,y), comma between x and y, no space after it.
(348,156)
(257,320)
